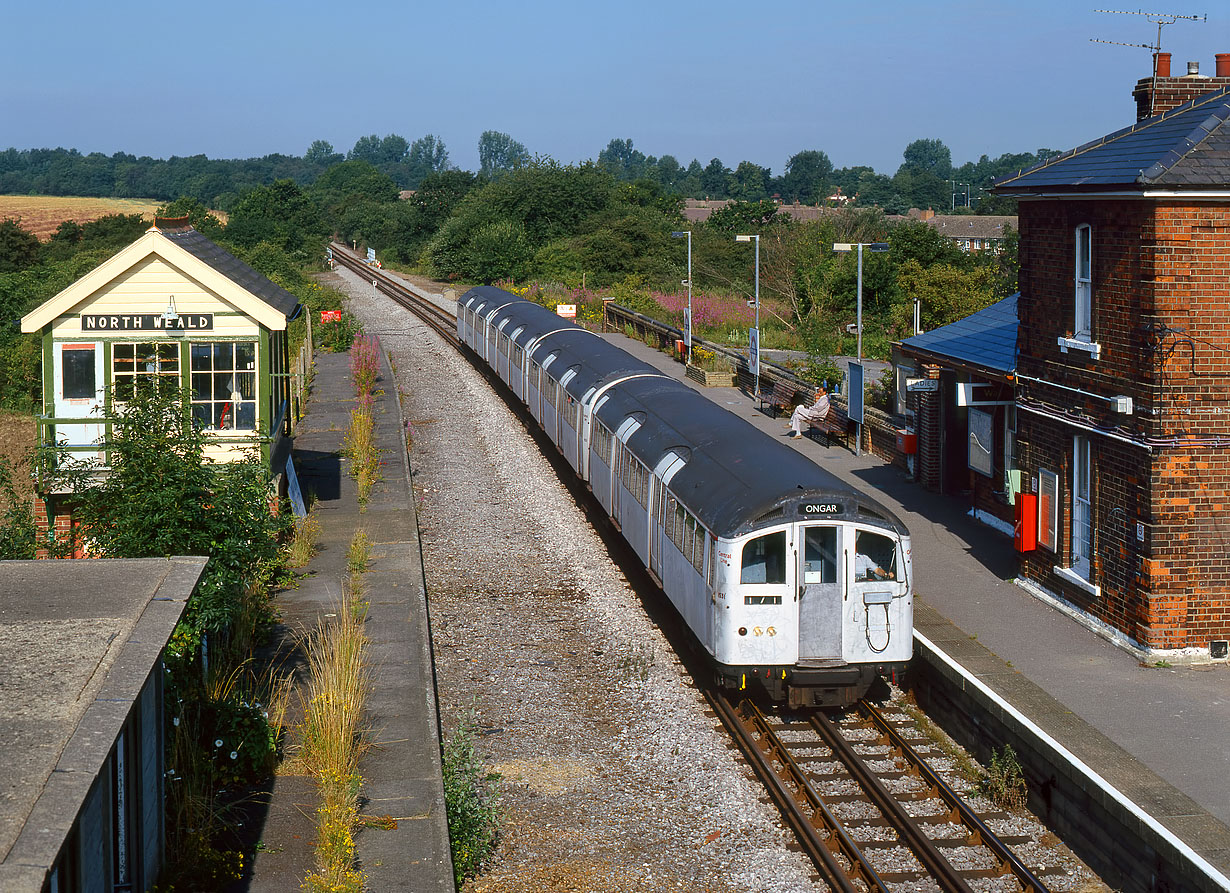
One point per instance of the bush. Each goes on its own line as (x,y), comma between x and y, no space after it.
(472,799)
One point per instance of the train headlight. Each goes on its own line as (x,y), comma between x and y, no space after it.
(743,630)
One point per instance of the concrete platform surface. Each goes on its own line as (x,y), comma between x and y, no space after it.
(401,772)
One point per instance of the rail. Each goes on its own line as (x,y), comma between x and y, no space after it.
(792,784)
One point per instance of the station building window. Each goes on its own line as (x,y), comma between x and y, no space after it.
(141,365)
(224,385)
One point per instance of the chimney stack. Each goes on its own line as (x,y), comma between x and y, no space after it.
(1163,92)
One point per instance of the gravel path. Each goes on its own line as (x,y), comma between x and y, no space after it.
(615,778)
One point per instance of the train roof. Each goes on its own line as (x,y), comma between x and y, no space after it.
(485,298)
(595,360)
(736,477)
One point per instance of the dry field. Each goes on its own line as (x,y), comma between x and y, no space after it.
(42,214)
(16,439)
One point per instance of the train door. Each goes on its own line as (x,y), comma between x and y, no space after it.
(822,575)
(78,374)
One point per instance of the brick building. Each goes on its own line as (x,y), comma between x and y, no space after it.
(1123,372)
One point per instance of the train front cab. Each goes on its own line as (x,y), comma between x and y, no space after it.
(813,611)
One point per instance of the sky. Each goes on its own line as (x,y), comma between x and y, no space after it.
(735,81)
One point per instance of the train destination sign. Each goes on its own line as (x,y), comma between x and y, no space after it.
(146,322)
(821,508)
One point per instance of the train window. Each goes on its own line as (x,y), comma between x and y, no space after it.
(689,537)
(820,555)
(643,499)
(698,548)
(711,546)
(764,559)
(677,539)
(875,557)
(668,521)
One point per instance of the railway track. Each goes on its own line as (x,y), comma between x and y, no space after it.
(444,322)
(866,807)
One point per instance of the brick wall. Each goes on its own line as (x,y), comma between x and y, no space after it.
(1156,95)
(1161,314)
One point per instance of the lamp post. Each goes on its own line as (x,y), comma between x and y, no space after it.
(856,407)
(687,321)
(753,338)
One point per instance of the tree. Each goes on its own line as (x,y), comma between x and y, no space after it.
(349,183)
(499,153)
(745,217)
(427,155)
(715,179)
(321,154)
(19,249)
(944,293)
(623,161)
(280,214)
(807,176)
(931,156)
(749,182)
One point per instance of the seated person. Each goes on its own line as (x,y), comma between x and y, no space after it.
(810,415)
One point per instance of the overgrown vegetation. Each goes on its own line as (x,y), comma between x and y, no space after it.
(332,736)
(472,798)
(1005,780)
(360,441)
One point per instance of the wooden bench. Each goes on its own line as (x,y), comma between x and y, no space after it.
(785,395)
(835,424)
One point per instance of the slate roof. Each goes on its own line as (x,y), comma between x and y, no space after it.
(985,340)
(234,269)
(1187,147)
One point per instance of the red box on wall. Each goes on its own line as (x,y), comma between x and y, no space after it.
(907,443)
(1026,528)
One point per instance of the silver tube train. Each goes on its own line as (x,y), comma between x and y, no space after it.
(789,579)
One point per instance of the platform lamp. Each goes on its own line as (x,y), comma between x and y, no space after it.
(169,316)
(753,337)
(687,320)
(858,415)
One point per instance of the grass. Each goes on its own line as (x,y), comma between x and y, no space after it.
(332,735)
(1005,781)
(360,447)
(303,545)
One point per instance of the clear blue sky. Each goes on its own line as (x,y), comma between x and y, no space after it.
(739,81)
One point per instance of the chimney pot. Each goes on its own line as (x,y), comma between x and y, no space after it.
(1161,65)
(1193,69)
(1223,65)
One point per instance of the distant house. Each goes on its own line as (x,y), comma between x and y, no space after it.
(972,233)
(172,309)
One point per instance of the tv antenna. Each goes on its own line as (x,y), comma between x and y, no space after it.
(1161,19)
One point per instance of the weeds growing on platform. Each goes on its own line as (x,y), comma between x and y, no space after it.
(303,541)
(360,445)
(332,733)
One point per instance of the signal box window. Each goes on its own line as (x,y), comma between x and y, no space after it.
(1083,328)
(224,385)
(144,367)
